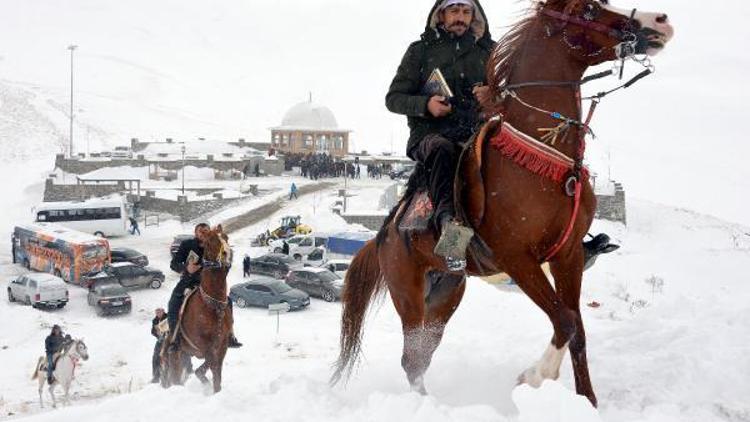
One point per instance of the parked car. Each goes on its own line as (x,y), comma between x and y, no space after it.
(338,266)
(318,282)
(177,241)
(402,174)
(39,290)
(277,245)
(127,275)
(129,255)
(264,291)
(109,299)
(274,265)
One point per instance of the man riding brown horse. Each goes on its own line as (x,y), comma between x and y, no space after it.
(190,278)
(456,41)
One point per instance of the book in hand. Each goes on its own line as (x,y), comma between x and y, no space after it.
(437,85)
(193,258)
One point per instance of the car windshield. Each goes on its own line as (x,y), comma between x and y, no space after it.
(281,287)
(112,291)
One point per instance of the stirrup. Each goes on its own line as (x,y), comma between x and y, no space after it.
(454,240)
(455,264)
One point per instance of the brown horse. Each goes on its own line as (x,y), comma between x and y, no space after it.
(526,204)
(206,319)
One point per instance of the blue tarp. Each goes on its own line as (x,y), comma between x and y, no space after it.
(348,243)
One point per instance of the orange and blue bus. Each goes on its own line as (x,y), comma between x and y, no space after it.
(57,250)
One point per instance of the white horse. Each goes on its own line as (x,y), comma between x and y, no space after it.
(64,372)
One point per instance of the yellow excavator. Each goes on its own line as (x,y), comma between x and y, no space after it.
(291,225)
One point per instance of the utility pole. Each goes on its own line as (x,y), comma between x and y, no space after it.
(72,48)
(183,169)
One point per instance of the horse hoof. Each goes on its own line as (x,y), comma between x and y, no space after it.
(418,387)
(530,377)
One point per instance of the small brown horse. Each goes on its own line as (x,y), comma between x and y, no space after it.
(206,319)
(518,206)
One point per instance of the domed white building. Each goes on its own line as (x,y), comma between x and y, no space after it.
(310,128)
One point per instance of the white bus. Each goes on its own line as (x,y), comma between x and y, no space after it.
(101,217)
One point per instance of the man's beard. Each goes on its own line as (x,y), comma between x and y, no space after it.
(456,27)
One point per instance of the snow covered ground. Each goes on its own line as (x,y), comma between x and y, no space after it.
(674,349)
(668,343)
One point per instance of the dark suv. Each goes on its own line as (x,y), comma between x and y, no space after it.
(274,265)
(129,255)
(109,299)
(126,275)
(318,282)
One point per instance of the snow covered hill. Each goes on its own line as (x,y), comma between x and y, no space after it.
(669,342)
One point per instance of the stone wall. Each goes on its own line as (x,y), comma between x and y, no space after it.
(269,167)
(612,207)
(372,222)
(182,208)
(58,193)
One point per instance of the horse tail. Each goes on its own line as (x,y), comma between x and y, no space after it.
(35,375)
(363,282)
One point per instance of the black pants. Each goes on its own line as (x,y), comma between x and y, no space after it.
(178,296)
(156,361)
(440,158)
(175,301)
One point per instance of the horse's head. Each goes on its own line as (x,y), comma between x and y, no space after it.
(216,247)
(79,348)
(596,32)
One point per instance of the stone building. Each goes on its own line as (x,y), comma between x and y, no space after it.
(310,128)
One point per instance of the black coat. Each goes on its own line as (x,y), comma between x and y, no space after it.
(462,60)
(179,261)
(246,264)
(52,344)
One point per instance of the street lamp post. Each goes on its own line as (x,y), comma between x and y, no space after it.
(72,48)
(183,169)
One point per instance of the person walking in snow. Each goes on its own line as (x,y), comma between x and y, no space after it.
(293,191)
(246,266)
(134,226)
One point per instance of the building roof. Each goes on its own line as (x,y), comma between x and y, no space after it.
(310,116)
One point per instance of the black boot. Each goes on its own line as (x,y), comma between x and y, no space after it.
(233,342)
(599,245)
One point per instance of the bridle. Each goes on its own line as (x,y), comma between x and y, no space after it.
(625,49)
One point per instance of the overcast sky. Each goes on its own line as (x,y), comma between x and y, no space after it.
(230,69)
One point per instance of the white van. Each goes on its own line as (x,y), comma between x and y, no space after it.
(39,290)
(103,217)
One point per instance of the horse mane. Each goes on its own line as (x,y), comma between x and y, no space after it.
(506,52)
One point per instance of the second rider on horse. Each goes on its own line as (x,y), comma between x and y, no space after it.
(191,278)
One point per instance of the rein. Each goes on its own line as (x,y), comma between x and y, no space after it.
(625,50)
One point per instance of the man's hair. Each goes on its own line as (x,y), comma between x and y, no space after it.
(201,226)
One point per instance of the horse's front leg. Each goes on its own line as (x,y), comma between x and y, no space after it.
(66,387)
(216,368)
(52,394)
(41,390)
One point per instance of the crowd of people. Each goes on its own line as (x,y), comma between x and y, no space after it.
(317,166)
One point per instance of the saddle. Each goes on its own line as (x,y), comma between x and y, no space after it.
(173,337)
(417,213)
